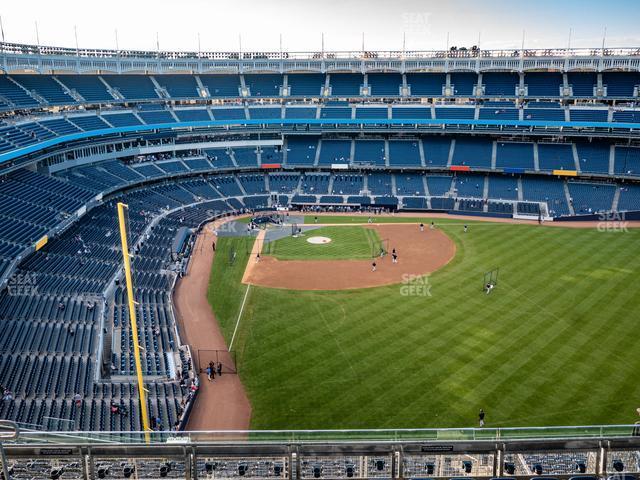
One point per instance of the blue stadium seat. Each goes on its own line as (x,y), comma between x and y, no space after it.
(583,83)
(439,185)
(192,115)
(500,84)
(514,155)
(221,85)
(551,191)
(556,156)
(46,87)
(473,152)
(426,84)
(588,114)
(89,87)
(265,113)
(369,152)
(300,112)
(305,84)
(588,198)
(334,151)
(503,187)
(384,84)
(15,94)
(455,113)
(463,83)
(404,153)
(593,157)
(179,86)
(411,112)
(627,161)
(543,84)
(346,84)
(133,87)
(121,119)
(620,84)
(411,185)
(264,85)
(436,151)
(301,150)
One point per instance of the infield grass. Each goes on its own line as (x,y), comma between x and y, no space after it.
(346,243)
(555,344)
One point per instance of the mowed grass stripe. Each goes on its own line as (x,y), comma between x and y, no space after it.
(553,344)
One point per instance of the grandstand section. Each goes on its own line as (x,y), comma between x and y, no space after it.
(186,139)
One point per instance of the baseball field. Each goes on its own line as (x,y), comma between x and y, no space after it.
(555,343)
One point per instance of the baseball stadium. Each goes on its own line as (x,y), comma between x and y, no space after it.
(322,263)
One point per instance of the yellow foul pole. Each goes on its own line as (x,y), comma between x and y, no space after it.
(132,316)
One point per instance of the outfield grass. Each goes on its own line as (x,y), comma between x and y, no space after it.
(554,344)
(346,243)
(225,283)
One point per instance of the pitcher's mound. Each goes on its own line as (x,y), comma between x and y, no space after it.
(318,240)
(419,253)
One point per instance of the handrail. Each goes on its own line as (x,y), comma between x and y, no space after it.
(7,48)
(9,430)
(426,435)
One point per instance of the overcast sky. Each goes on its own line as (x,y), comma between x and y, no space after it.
(498,23)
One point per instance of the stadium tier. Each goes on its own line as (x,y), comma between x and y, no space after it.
(182,149)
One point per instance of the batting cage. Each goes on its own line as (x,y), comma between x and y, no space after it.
(379,247)
(225,357)
(490,278)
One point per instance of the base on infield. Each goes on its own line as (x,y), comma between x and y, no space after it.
(319,240)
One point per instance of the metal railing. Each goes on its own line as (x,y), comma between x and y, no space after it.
(336,436)
(454,52)
(8,431)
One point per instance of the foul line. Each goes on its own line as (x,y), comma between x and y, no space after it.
(233,337)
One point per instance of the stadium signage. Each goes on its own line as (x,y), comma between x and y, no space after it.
(436,448)
(55,452)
